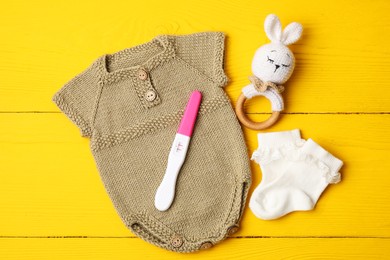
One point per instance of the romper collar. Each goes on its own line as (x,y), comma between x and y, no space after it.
(128,56)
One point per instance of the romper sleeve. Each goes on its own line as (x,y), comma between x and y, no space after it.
(77,100)
(205,52)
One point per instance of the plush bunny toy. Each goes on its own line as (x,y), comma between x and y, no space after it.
(272,66)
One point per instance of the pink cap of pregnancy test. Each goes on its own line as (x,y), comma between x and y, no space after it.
(188,121)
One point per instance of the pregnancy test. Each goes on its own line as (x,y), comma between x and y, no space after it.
(166,191)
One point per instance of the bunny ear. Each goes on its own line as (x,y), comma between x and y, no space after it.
(273,28)
(291,33)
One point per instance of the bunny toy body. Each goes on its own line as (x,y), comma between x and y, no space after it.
(272,65)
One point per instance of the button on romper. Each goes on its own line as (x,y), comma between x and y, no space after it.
(130,104)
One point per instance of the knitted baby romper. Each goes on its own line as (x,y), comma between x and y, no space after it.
(130,103)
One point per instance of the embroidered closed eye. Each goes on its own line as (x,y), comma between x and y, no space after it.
(269,60)
(286,66)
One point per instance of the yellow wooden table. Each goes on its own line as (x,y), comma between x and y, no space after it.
(53,204)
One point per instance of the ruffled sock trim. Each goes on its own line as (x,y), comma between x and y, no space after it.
(291,152)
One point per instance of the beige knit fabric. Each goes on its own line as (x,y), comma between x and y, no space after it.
(131,138)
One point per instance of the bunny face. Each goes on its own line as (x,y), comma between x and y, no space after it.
(274,61)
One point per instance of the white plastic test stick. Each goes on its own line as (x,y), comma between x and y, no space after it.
(165,193)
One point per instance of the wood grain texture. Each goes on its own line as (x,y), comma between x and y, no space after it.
(53,204)
(49,176)
(342,57)
(240,249)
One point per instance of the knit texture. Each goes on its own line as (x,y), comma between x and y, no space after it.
(273,63)
(131,137)
(271,94)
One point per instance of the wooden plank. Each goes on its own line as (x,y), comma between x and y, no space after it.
(246,248)
(50,185)
(342,60)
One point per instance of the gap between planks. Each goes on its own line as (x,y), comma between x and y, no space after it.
(237,237)
(260,113)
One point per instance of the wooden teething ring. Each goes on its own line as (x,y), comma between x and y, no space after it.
(249,123)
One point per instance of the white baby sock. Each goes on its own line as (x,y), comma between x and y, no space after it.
(269,155)
(306,169)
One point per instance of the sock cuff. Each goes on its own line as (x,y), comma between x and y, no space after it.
(333,163)
(273,146)
(278,139)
